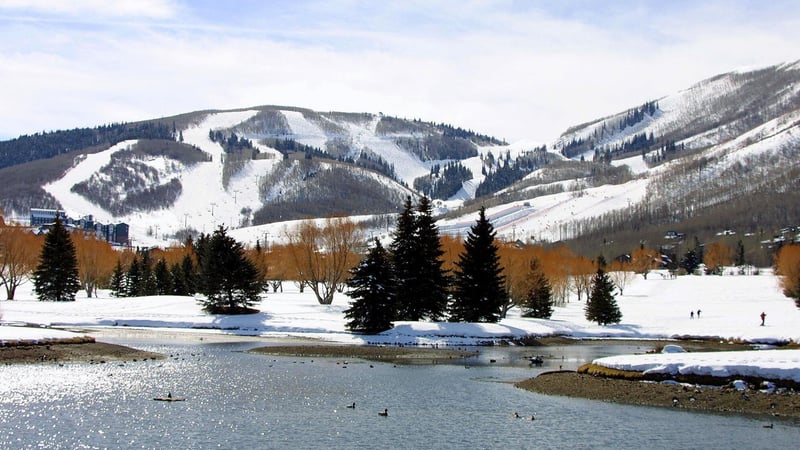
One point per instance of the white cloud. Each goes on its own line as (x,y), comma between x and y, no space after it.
(153,9)
(511,70)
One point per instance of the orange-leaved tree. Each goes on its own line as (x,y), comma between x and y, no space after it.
(96,261)
(516,268)
(19,256)
(558,265)
(258,256)
(644,259)
(280,265)
(452,246)
(717,256)
(323,255)
(583,271)
(787,265)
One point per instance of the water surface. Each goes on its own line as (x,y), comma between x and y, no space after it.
(239,400)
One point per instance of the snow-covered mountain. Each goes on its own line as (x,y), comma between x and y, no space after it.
(729,142)
(726,140)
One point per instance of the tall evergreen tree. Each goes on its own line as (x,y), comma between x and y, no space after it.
(690,261)
(231,283)
(478,288)
(118,281)
(178,280)
(189,273)
(432,288)
(693,257)
(200,248)
(740,261)
(56,277)
(602,306)
(163,278)
(371,286)
(405,257)
(538,301)
(133,282)
(147,284)
(416,253)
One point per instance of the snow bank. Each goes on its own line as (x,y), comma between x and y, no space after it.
(768,364)
(656,308)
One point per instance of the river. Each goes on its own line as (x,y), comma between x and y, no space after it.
(239,400)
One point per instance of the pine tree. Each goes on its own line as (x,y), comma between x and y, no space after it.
(147,284)
(479,292)
(189,275)
(200,248)
(602,306)
(538,301)
(690,261)
(230,281)
(178,282)
(133,282)
(432,283)
(740,261)
(371,286)
(163,278)
(118,281)
(693,257)
(416,255)
(56,277)
(404,262)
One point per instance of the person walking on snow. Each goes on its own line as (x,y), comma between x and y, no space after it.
(763,316)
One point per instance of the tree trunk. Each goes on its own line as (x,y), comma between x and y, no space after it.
(10,290)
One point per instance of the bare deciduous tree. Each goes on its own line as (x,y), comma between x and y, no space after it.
(621,274)
(323,255)
(19,255)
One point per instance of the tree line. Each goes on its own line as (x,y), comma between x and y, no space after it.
(419,276)
(229,277)
(48,144)
(443,183)
(478,279)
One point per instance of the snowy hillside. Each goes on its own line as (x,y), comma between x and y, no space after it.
(731,135)
(207,200)
(727,137)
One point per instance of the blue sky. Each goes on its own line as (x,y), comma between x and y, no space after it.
(511,69)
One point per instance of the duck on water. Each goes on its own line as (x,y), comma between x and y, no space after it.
(169,398)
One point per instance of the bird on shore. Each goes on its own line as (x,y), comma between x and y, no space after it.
(353,406)
(385,413)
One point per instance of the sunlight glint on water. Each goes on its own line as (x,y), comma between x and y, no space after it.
(241,400)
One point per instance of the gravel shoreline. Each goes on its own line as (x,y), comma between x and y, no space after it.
(396,355)
(785,404)
(55,352)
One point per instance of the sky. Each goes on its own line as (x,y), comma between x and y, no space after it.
(516,70)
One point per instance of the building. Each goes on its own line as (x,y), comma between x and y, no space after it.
(115,233)
(41,217)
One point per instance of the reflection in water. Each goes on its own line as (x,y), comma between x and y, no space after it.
(241,400)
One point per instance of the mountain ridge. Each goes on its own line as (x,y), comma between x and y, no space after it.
(680,152)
